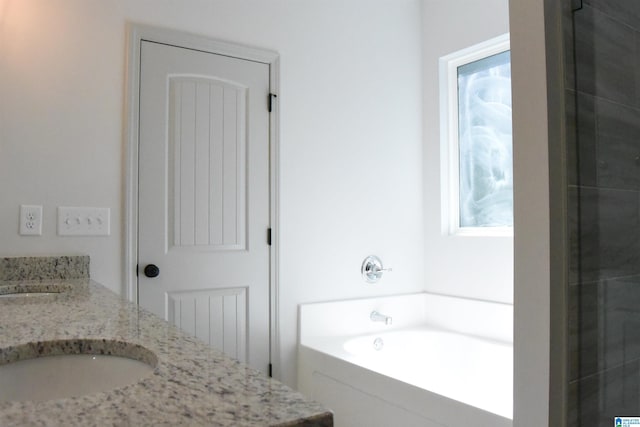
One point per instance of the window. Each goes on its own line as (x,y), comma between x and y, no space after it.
(476,146)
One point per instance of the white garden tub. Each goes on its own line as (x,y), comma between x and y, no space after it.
(442,362)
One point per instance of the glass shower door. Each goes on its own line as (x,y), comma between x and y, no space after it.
(603,104)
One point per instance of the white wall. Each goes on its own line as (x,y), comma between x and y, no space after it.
(351,148)
(540,322)
(476,267)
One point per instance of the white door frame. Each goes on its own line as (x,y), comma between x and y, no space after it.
(136,33)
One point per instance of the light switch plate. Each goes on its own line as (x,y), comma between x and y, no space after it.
(83,221)
(30,220)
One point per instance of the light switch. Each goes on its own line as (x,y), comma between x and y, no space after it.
(83,221)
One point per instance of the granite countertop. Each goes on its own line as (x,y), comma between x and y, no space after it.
(192,384)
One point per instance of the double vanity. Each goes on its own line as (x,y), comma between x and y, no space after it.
(74,353)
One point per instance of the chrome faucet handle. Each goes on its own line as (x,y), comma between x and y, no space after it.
(372,269)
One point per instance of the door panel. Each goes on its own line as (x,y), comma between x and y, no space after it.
(207,153)
(204,196)
(216,316)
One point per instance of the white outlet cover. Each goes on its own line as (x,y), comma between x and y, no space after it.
(31,220)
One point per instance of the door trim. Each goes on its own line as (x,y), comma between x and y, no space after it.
(136,33)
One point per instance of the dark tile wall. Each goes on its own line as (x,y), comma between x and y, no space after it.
(603,116)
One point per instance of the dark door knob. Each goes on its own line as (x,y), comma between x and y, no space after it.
(151,270)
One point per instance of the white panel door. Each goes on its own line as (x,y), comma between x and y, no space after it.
(204,196)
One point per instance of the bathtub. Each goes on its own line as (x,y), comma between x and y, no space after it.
(443,361)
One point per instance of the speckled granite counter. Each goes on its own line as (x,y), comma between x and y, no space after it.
(192,384)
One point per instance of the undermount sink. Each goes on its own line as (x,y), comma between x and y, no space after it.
(71,368)
(27,294)
(38,291)
(33,290)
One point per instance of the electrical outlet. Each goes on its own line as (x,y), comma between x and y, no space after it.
(30,220)
(83,221)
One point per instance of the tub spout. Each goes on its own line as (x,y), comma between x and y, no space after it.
(379,317)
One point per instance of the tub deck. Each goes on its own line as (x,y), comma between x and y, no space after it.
(464,368)
(416,372)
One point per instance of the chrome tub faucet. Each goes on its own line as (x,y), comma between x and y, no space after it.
(379,317)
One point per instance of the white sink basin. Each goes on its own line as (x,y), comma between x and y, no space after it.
(27,294)
(72,375)
(36,290)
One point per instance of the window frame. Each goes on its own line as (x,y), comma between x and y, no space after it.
(449,137)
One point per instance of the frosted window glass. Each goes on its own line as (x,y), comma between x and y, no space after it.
(485,142)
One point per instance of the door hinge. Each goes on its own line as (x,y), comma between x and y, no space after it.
(576,5)
(269,236)
(271,99)
(270,370)
(137,265)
